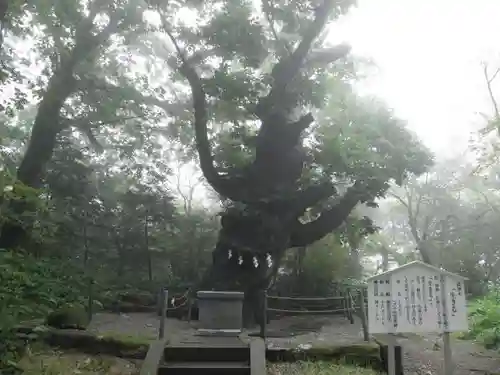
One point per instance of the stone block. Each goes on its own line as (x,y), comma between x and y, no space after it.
(219,310)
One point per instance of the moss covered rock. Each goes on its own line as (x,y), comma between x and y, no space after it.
(68,317)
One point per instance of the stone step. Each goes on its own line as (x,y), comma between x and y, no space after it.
(194,353)
(205,368)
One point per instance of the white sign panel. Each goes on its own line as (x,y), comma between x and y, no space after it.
(410,299)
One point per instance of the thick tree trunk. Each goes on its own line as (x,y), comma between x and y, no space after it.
(85,241)
(38,153)
(48,124)
(239,271)
(355,262)
(29,173)
(425,253)
(4,6)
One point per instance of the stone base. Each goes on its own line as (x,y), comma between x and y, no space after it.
(220,311)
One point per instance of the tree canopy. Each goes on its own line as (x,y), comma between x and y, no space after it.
(103,96)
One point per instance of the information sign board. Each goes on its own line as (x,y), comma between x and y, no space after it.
(416,298)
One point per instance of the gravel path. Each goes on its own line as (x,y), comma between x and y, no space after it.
(422,353)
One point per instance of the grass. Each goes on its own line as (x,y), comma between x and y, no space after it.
(51,362)
(317,368)
(44,361)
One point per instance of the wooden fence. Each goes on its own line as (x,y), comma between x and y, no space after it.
(349,301)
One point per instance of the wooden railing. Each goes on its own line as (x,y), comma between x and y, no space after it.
(352,301)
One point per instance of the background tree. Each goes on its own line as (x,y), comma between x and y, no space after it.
(448,218)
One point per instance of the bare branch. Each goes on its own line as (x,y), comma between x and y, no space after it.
(268,8)
(489,80)
(398,198)
(187,198)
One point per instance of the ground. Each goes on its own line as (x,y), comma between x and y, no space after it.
(422,353)
(50,362)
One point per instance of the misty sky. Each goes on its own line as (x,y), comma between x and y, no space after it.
(429,54)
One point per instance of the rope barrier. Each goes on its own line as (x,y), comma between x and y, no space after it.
(348,303)
(182,297)
(178,307)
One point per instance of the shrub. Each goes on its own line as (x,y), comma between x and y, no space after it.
(31,289)
(484,315)
(71,316)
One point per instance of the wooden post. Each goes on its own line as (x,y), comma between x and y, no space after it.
(391,354)
(361,297)
(448,360)
(350,306)
(342,302)
(190,307)
(159,301)
(163,313)
(263,326)
(345,305)
(90,302)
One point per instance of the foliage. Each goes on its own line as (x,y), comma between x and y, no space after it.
(367,142)
(322,266)
(30,289)
(449,217)
(484,316)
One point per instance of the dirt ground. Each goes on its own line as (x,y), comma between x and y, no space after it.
(422,353)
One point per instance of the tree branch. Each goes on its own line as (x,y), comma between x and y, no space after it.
(200,121)
(302,124)
(306,234)
(313,195)
(288,67)
(398,198)
(489,79)
(268,8)
(178,108)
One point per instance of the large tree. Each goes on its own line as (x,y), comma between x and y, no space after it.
(288,172)
(279,179)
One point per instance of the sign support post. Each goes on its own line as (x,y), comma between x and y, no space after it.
(391,354)
(448,358)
